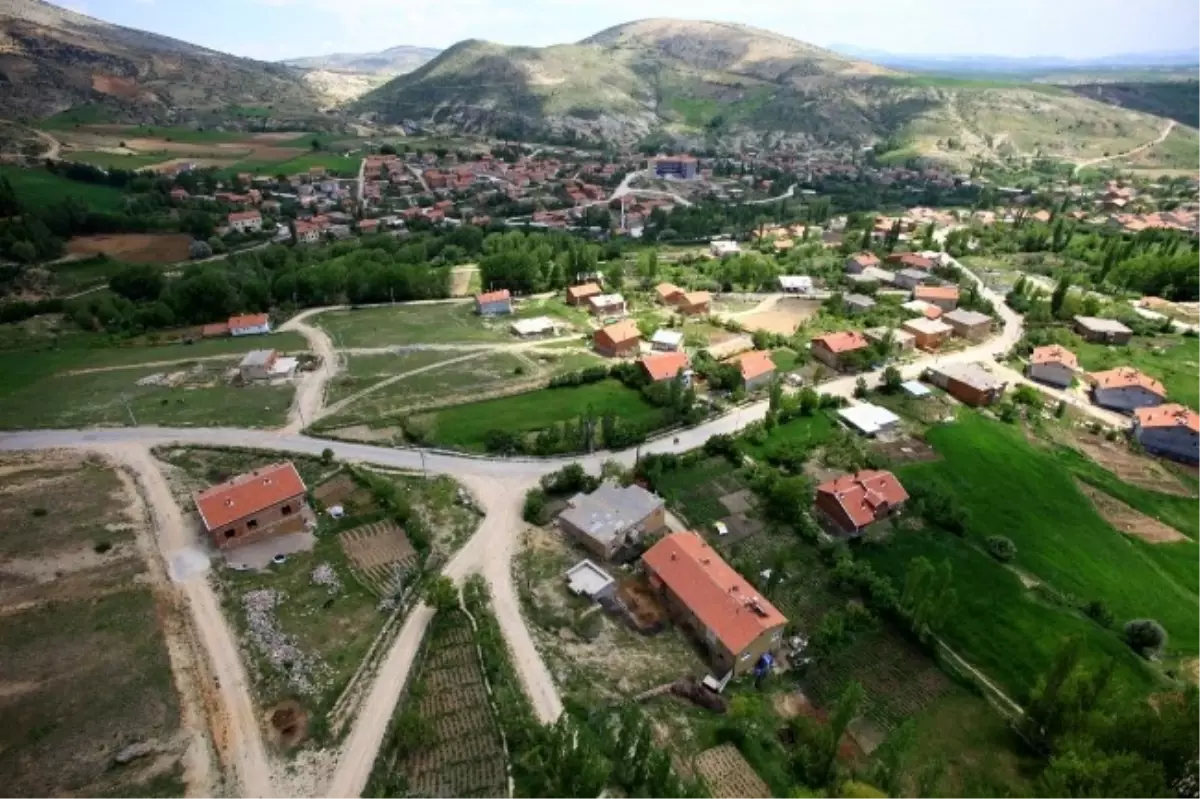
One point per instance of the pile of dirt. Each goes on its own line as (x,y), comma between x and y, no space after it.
(287,723)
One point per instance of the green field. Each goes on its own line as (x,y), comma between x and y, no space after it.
(411,324)
(363,371)
(466,426)
(1175,360)
(807,431)
(116,160)
(39,189)
(341,165)
(1008,487)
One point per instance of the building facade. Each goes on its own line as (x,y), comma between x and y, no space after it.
(254,506)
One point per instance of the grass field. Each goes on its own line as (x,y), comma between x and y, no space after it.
(363,371)
(38,189)
(807,431)
(1175,360)
(76,613)
(116,160)
(466,426)
(412,324)
(1008,487)
(341,165)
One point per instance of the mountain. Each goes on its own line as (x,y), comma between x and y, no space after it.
(392,61)
(687,83)
(53,59)
(1166,61)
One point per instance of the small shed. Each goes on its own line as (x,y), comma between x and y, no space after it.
(587,579)
(915,388)
(868,419)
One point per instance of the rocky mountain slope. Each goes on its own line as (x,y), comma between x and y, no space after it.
(700,81)
(392,61)
(53,59)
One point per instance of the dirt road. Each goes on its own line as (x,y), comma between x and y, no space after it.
(240,740)
(1162,136)
(310,393)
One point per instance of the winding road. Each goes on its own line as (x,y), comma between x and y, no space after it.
(1166,131)
(498,486)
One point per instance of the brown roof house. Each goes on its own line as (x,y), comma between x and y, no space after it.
(254,506)
(971,325)
(830,348)
(1125,388)
(612,518)
(578,295)
(860,261)
(694,303)
(493,303)
(1170,430)
(756,367)
(850,504)
(668,293)
(928,334)
(665,365)
(1053,364)
(622,338)
(724,612)
(944,297)
(970,383)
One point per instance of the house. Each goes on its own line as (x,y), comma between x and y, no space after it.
(618,339)
(577,295)
(910,278)
(721,248)
(969,383)
(307,232)
(665,365)
(612,517)
(694,303)
(215,330)
(1170,430)
(868,419)
(944,297)
(249,324)
(727,615)
(245,221)
(856,263)
(928,334)
(795,284)
(493,303)
(251,507)
(668,293)
(971,325)
(677,166)
(730,347)
(606,305)
(667,340)
(1052,364)
(1125,388)
(874,274)
(830,348)
(850,504)
(1104,331)
(901,340)
(857,303)
(756,367)
(587,579)
(922,308)
(910,260)
(256,365)
(538,326)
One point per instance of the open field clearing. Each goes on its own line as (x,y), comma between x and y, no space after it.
(84,671)
(137,248)
(39,189)
(363,371)
(401,325)
(1174,360)
(110,160)
(444,739)
(782,318)
(466,426)
(727,774)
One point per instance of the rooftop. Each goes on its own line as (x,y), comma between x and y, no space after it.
(969,318)
(586,290)
(610,510)
(868,418)
(669,338)
(718,596)
(845,341)
(248,493)
(936,292)
(1170,415)
(664,366)
(258,358)
(248,320)
(1054,353)
(861,300)
(795,282)
(861,495)
(624,330)
(1099,325)
(755,363)
(493,296)
(971,374)
(927,327)
(1128,377)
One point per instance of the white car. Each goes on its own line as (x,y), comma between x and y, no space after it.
(721,528)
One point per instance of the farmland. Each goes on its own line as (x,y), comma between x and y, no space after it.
(444,739)
(136,248)
(40,190)
(107,160)
(435,323)
(77,611)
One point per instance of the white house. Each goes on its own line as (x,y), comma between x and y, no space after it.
(795,284)
(607,304)
(245,221)
(667,341)
(721,247)
(868,419)
(1170,430)
(1126,389)
(1053,364)
(249,324)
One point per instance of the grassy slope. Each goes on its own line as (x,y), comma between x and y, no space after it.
(39,189)
(1171,359)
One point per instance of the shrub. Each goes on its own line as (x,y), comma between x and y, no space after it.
(40,512)
(101,547)
(534,510)
(1145,636)
(1098,612)
(326,456)
(1001,548)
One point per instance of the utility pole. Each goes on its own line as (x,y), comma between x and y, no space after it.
(424,471)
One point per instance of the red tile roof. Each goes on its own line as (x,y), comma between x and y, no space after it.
(667,290)
(215,329)
(929,293)
(664,366)
(866,258)
(693,298)
(720,598)
(240,216)
(620,332)
(493,296)
(1127,377)
(580,292)
(865,495)
(247,494)
(1172,415)
(248,320)
(842,342)
(911,260)
(755,363)
(1054,353)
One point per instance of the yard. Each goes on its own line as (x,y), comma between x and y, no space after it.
(363,371)
(466,426)
(1175,360)
(77,612)
(401,325)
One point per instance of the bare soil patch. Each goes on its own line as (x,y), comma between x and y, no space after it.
(287,723)
(279,136)
(138,248)
(727,773)
(116,86)
(369,435)
(645,609)
(1130,467)
(380,553)
(1128,520)
(904,450)
(783,318)
(167,166)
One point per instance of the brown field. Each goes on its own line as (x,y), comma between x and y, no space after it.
(727,774)
(138,248)
(1130,467)
(783,318)
(85,670)
(380,552)
(169,165)
(1128,520)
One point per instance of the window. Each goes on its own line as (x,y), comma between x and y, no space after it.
(230,533)
(286,510)
(252,524)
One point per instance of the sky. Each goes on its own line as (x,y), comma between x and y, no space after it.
(277,29)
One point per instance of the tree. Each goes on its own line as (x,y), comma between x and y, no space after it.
(198,250)
(138,282)
(23,251)
(1060,295)
(860,388)
(892,379)
(1001,548)
(441,594)
(614,276)
(1146,637)
(327,456)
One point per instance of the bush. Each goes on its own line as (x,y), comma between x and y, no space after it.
(534,510)
(1145,636)
(1001,548)
(40,512)
(326,456)
(1098,612)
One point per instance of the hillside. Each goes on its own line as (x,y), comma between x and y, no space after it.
(703,81)
(392,61)
(53,59)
